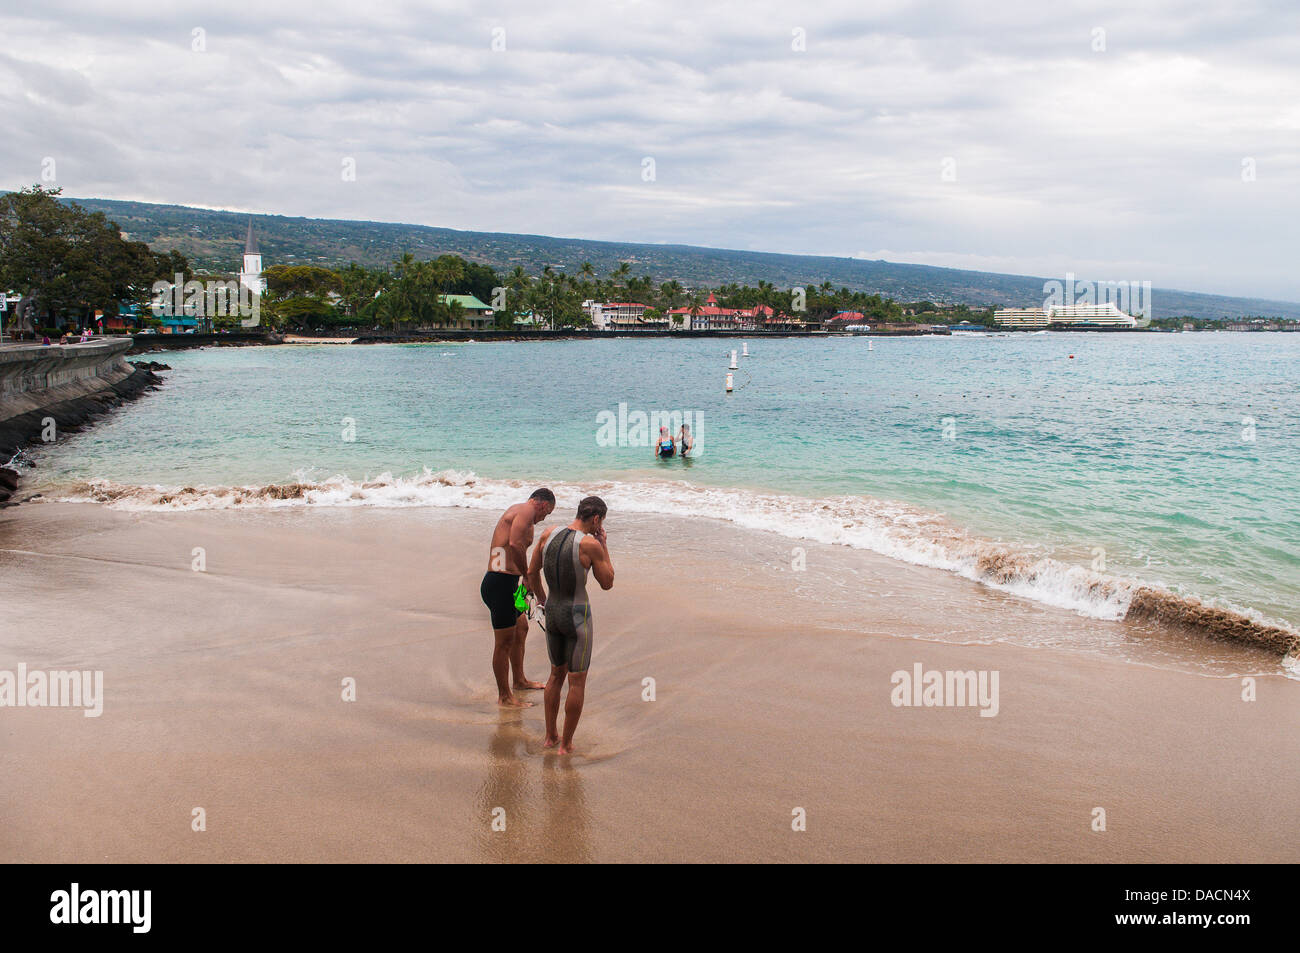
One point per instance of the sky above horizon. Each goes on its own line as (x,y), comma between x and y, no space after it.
(1156,145)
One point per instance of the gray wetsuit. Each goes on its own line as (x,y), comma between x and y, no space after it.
(568,613)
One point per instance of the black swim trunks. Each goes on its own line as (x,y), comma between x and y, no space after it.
(498,592)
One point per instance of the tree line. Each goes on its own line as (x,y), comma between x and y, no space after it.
(69,263)
(410,294)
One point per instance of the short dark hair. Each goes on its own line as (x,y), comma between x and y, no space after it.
(543,494)
(591,506)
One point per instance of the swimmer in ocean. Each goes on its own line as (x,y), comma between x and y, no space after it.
(684,440)
(665,447)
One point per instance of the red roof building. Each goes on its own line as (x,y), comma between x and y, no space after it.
(710,316)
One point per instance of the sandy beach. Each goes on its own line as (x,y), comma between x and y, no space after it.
(223,691)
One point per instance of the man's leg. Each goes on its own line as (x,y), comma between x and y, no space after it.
(517,655)
(573,709)
(554,688)
(505,640)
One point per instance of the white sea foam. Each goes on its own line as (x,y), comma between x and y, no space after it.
(892,529)
(889,528)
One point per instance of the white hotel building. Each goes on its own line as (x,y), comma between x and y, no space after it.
(619,315)
(1089,315)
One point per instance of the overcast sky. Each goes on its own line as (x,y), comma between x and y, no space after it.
(1033,138)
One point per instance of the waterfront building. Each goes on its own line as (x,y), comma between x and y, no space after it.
(617,315)
(1021,317)
(1070,315)
(711,316)
(474,314)
(1091,315)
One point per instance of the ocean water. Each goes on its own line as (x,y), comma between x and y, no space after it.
(1067,468)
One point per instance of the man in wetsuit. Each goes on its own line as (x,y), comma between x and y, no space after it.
(565,556)
(507,561)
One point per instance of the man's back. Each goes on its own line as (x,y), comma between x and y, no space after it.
(564,568)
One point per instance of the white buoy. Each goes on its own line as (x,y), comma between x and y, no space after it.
(730,384)
(734,365)
(745,352)
(870,346)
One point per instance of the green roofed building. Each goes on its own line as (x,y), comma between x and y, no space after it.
(474,313)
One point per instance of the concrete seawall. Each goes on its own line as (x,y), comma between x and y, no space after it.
(146,343)
(46,392)
(33,376)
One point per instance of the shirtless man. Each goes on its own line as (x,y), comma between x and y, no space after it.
(507,561)
(566,555)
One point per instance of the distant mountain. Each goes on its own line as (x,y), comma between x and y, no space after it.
(214,240)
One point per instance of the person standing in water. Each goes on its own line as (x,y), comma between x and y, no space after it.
(507,561)
(684,441)
(665,447)
(565,556)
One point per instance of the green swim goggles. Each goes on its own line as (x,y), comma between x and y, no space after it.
(523,606)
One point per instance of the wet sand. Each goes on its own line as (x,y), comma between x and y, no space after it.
(223,691)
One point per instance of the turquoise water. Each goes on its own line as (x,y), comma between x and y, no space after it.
(1135,450)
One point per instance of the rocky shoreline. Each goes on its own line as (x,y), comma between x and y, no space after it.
(67,416)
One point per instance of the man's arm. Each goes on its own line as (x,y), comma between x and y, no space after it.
(601,565)
(534,581)
(520,537)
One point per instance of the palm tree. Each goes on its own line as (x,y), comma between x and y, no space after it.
(517,286)
(447,270)
(358,287)
(388,308)
(619,274)
(670,293)
(455,312)
(404,264)
(696,302)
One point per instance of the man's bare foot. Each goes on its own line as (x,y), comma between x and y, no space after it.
(509,701)
(551,741)
(528,686)
(566,749)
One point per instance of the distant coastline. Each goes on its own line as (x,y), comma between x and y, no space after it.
(210,238)
(146,344)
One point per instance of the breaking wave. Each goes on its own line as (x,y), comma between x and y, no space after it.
(892,529)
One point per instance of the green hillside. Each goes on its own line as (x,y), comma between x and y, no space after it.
(213,240)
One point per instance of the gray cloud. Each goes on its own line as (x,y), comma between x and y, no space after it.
(1118,164)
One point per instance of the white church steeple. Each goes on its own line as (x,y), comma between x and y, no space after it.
(251,274)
